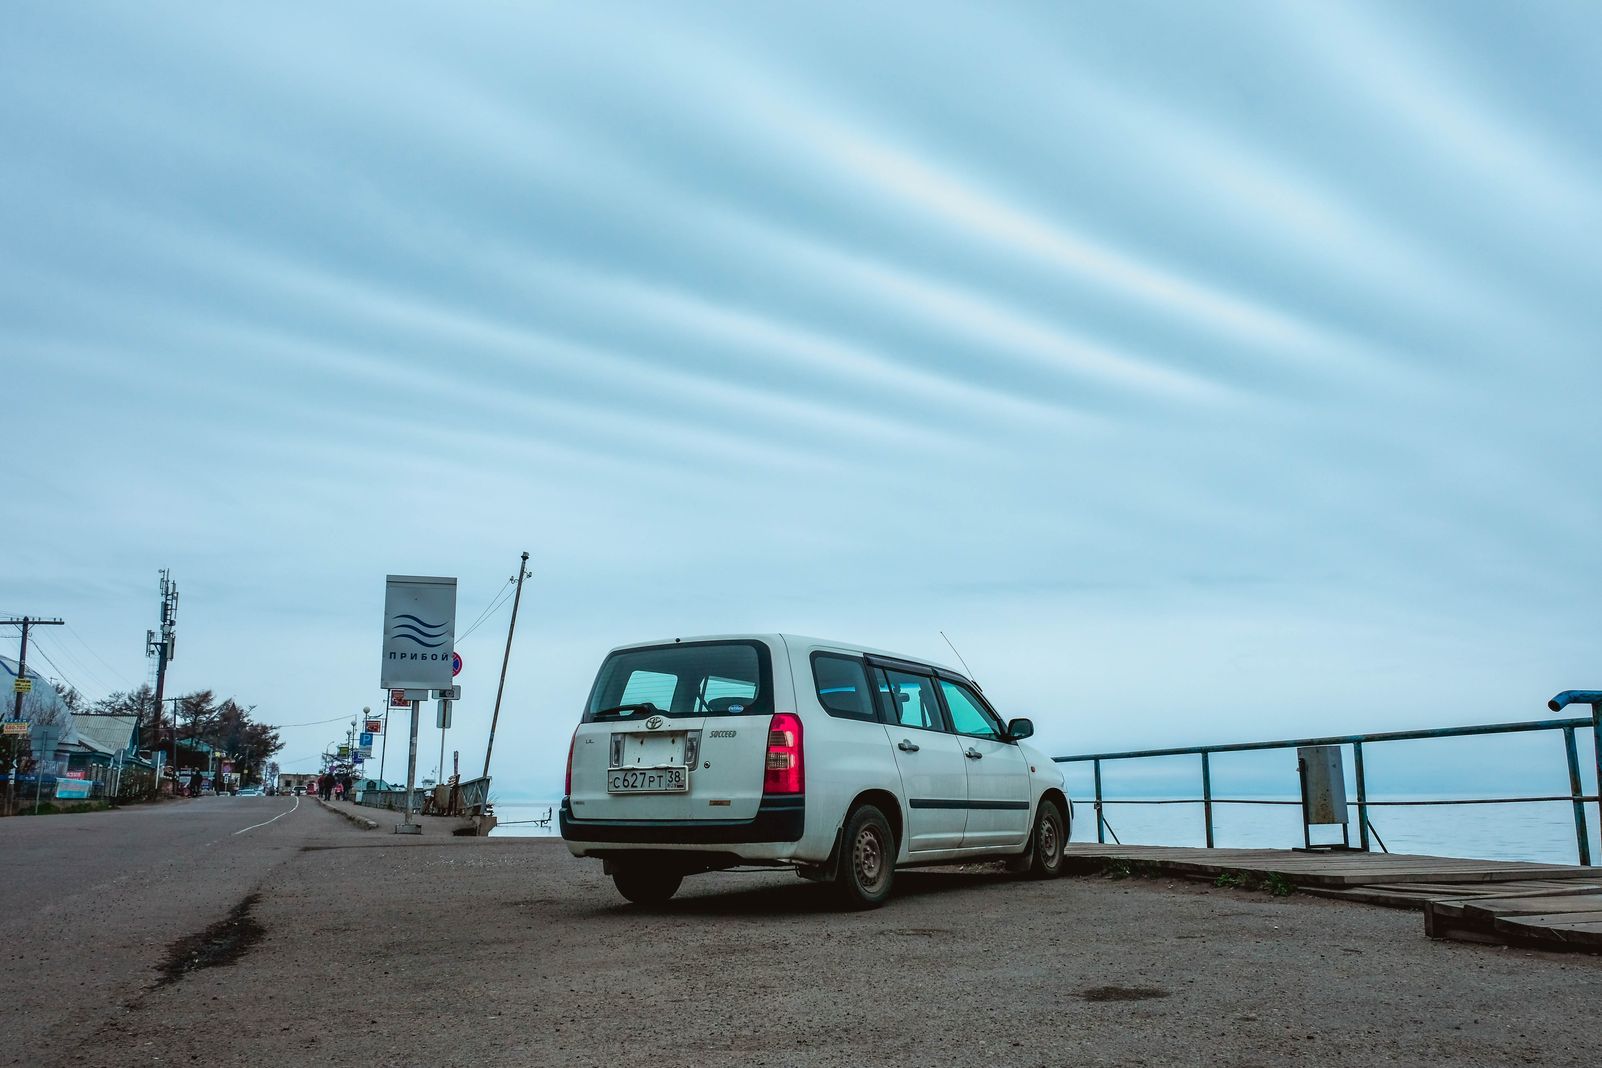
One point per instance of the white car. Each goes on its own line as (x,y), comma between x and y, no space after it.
(700,754)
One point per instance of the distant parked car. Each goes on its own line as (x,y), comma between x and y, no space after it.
(840,762)
(300,791)
(252,791)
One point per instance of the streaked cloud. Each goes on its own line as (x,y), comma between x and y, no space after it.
(1242,351)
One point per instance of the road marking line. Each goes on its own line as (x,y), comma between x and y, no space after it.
(276,818)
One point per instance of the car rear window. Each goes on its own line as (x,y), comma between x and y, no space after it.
(684,679)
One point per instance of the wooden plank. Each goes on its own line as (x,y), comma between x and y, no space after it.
(1498,907)
(1559,930)
(1370,895)
(1341,869)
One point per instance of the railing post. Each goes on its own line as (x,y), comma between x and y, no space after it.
(1596,752)
(1581,836)
(1207,798)
(1362,797)
(1101,828)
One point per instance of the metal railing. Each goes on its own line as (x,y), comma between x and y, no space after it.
(473,794)
(1576,795)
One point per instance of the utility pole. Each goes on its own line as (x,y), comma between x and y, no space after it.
(522,573)
(20,687)
(162,649)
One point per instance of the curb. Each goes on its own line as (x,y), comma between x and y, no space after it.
(361,821)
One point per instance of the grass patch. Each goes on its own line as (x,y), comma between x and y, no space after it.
(53,808)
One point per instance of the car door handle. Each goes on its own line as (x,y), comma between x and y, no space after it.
(973,754)
(906,745)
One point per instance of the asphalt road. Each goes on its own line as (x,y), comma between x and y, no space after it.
(368,948)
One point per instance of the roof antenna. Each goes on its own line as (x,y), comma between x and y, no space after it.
(965,666)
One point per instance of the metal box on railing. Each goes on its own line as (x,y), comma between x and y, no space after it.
(1323,784)
(1323,777)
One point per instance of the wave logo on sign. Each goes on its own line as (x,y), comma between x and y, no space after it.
(419,630)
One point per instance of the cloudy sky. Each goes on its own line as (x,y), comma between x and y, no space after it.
(1205,372)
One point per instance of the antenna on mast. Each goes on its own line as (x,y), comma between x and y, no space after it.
(965,666)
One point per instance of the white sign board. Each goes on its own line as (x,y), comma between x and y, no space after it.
(419,632)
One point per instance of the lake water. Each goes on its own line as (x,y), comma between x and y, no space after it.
(1538,832)
(516,819)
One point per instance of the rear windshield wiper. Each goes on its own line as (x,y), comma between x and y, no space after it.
(643,706)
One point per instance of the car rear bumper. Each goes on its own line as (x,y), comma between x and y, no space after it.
(778,820)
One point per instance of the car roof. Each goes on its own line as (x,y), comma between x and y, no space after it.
(798,642)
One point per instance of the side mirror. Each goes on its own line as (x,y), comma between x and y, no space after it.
(1020,729)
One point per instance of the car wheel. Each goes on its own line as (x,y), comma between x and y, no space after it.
(648,886)
(867,859)
(1047,844)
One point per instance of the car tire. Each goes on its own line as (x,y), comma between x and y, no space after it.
(1047,855)
(647,886)
(867,859)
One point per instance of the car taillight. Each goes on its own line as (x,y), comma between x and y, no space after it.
(784,772)
(567,783)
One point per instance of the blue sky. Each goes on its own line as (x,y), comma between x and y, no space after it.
(1205,372)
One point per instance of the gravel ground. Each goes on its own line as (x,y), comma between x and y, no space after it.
(372,949)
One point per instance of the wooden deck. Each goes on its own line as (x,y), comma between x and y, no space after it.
(1555,906)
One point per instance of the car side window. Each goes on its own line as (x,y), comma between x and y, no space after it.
(911,699)
(968,714)
(842,684)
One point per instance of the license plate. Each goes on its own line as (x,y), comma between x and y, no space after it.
(647,781)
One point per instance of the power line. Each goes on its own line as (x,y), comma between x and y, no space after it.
(62,675)
(78,665)
(79,638)
(495,602)
(313,723)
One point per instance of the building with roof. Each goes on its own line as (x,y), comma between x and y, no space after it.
(102,740)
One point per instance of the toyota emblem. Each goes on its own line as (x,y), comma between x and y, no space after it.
(653,723)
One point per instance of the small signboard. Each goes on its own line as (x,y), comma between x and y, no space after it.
(374,726)
(16,726)
(364,753)
(419,631)
(442,719)
(22,685)
(44,742)
(365,740)
(344,752)
(397,699)
(448,693)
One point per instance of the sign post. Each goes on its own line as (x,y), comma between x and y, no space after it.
(44,748)
(406,826)
(418,654)
(443,721)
